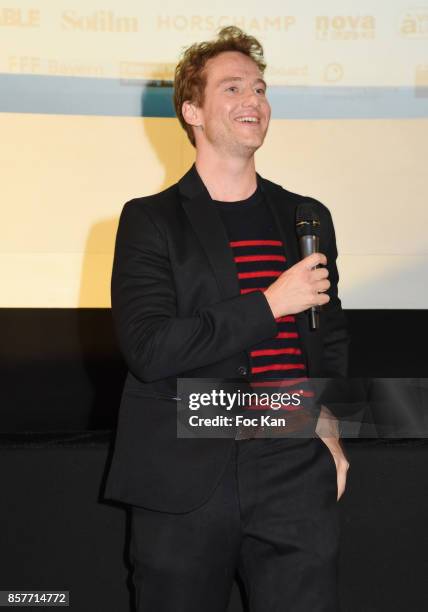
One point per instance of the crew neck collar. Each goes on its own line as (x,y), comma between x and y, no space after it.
(254,199)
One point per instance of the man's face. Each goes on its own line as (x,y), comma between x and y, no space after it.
(235,114)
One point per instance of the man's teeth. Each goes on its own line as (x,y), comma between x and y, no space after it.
(248,119)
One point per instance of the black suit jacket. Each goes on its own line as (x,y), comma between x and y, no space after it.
(178,312)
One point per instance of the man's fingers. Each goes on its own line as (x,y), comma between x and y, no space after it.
(321,299)
(315,260)
(322,285)
(341,480)
(320,273)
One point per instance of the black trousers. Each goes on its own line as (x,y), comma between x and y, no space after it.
(273,518)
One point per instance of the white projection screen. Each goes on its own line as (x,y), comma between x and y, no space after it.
(86,123)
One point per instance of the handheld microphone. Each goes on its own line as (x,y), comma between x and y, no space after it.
(308,232)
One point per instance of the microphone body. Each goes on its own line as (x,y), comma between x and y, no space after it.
(308,245)
(308,229)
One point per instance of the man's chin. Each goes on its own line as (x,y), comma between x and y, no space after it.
(251,146)
(245,151)
(244,147)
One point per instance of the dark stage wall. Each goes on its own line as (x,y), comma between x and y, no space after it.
(61,369)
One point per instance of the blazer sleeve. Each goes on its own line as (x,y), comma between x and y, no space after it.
(155,342)
(335,332)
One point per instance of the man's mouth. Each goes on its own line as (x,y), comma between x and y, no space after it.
(248,119)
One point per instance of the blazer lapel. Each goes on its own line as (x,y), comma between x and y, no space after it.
(210,230)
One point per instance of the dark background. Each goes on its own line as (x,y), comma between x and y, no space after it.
(62,370)
(61,381)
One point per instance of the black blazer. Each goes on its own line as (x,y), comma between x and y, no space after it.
(178,312)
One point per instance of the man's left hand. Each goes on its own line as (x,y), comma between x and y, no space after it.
(342,464)
(327,430)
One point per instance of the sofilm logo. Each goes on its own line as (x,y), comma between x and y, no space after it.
(20,18)
(414,23)
(196,23)
(99,21)
(345,27)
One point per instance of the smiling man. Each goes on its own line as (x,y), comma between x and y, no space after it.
(207,283)
(235,113)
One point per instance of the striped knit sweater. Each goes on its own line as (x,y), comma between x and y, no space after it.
(260,258)
(277,364)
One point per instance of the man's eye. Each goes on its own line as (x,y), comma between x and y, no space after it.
(261,91)
(232,88)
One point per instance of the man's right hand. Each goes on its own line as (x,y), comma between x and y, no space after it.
(300,287)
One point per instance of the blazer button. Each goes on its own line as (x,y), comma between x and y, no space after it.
(242,370)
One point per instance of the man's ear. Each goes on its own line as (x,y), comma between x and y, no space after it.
(191,113)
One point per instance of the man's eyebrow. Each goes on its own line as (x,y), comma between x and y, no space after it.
(236,78)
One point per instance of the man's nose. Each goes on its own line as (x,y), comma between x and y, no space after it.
(250,98)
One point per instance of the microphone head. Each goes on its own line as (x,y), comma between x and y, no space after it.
(307,219)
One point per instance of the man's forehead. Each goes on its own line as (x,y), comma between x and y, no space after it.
(233,65)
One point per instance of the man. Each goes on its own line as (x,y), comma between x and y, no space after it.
(204,508)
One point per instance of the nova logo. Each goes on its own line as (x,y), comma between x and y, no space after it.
(19,18)
(345,27)
(100,21)
(414,24)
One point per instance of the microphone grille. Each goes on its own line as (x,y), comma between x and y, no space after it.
(307,218)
